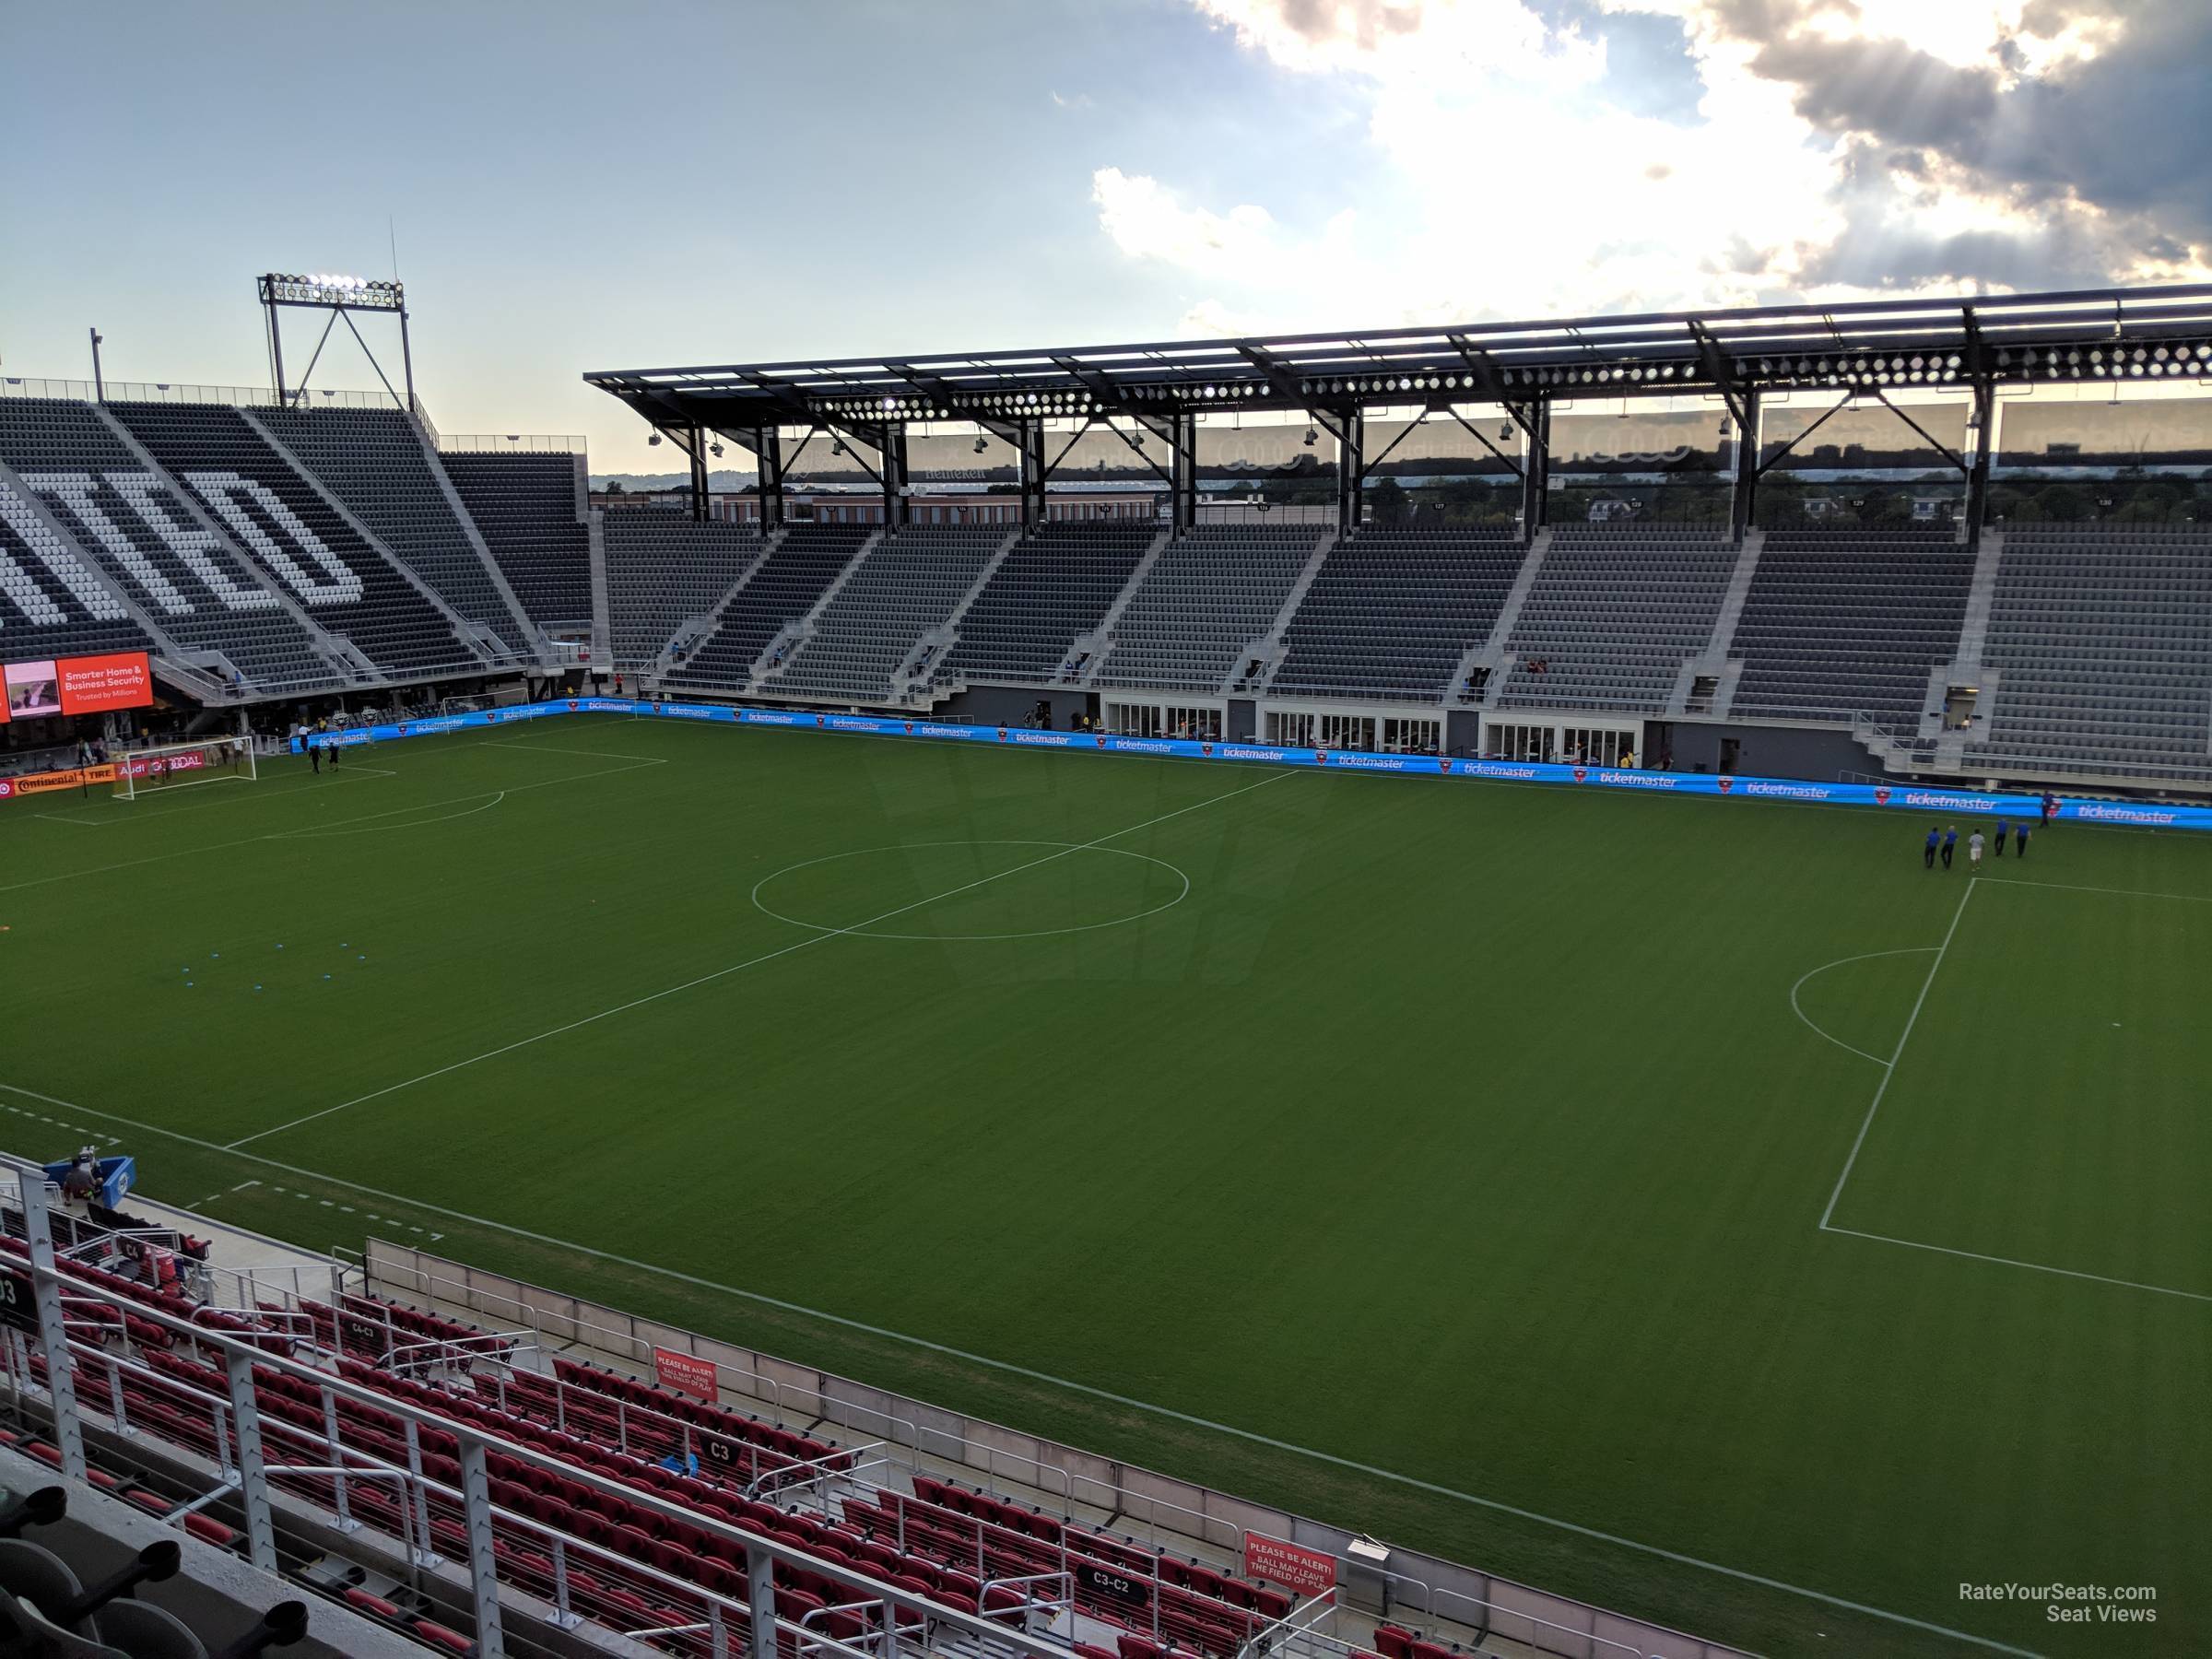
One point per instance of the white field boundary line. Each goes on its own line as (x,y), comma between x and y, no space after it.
(337,774)
(1840,962)
(388,828)
(1976,1256)
(2067,887)
(548,748)
(301,833)
(856,929)
(161,815)
(1890,1066)
(1008,1368)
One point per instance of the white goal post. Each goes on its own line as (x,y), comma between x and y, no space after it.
(165,766)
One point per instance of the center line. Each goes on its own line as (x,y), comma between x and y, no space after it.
(705,979)
(1890,1065)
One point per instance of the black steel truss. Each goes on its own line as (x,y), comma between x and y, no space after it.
(2143,335)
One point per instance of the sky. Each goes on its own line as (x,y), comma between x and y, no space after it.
(574,186)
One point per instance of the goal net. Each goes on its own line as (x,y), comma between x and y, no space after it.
(167,766)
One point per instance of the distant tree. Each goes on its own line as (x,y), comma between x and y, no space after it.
(2065,504)
(614,488)
(1387,500)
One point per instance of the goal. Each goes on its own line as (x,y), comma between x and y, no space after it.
(167,766)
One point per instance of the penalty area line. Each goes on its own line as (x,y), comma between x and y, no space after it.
(1976,1256)
(1009,1368)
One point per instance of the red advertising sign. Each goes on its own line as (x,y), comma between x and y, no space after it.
(188,760)
(686,1373)
(1308,1572)
(95,684)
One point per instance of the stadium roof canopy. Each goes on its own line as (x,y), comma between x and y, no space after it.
(2144,333)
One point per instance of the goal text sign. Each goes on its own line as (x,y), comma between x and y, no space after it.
(1293,1565)
(687,1374)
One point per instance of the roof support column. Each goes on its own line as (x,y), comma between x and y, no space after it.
(1351,470)
(1744,499)
(768,457)
(1183,509)
(698,445)
(1535,475)
(897,510)
(1977,476)
(1031,433)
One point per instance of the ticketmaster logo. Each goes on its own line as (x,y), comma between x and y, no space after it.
(2125,815)
(1636,780)
(1949,802)
(1232,752)
(1796,791)
(1049,739)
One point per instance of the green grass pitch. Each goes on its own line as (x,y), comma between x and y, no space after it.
(1477,1134)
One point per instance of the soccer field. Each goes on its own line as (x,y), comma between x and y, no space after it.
(1690,1204)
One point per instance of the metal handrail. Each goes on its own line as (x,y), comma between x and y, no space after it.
(249,397)
(238,1351)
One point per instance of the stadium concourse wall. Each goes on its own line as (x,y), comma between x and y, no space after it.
(1429,1584)
(1909,797)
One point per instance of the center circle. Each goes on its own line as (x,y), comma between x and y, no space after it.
(868,929)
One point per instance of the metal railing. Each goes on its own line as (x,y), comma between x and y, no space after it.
(177,392)
(249,1448)
(511,443)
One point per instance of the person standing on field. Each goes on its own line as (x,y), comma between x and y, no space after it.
(2022,833)
(1973,850)
(1951,840)
(1935,840)
(2002,828)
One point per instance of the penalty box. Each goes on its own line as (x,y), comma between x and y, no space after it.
(2048,1108)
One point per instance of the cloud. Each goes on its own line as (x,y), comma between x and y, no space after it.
(1147,220)
(2060,107)
(1076,100)
(1800,148)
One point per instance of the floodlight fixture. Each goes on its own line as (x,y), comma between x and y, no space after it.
(1312,437)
